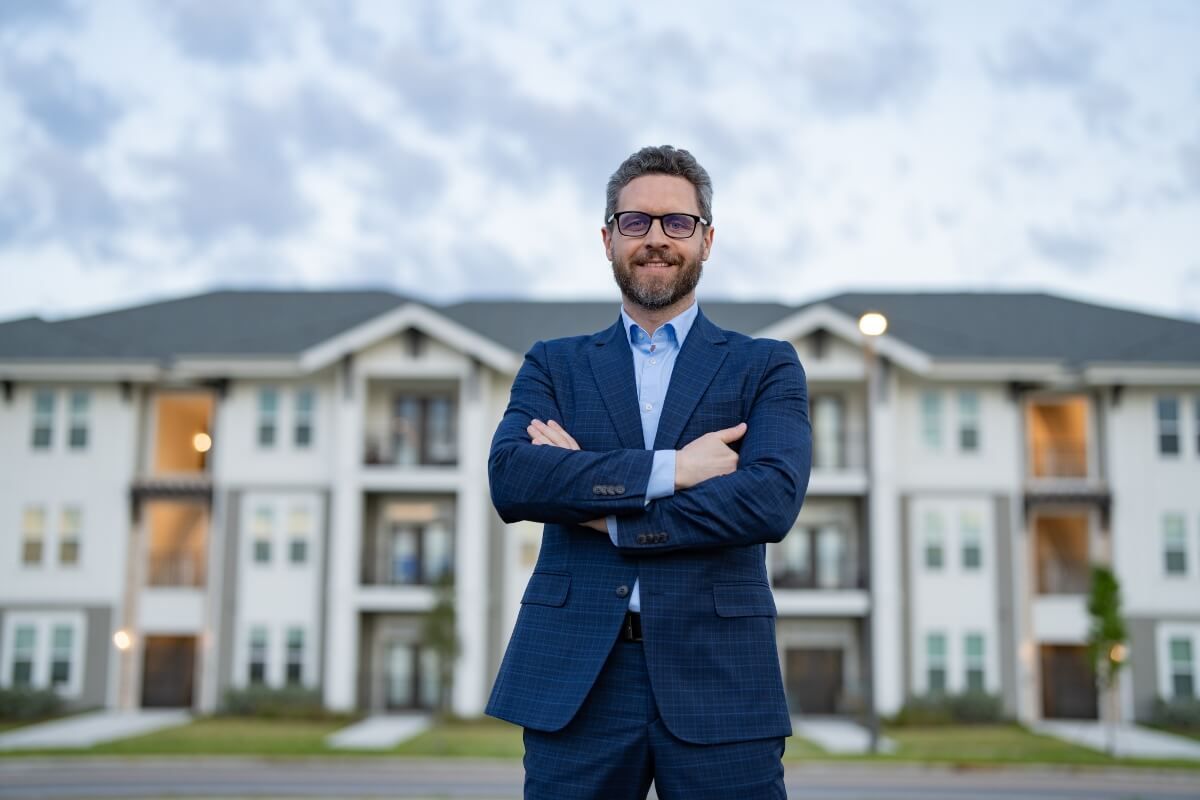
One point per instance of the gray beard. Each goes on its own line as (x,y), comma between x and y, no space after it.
(659,295)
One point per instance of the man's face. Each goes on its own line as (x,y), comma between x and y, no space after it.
(655,270)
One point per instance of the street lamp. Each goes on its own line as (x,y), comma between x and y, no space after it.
(871,324)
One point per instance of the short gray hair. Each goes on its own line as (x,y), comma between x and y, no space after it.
(662,160)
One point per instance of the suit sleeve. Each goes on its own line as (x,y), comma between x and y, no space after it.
(756,503)
(554,484)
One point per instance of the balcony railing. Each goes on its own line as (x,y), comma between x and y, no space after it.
(1063,577)
(1059,460)
(853,578)
(175,571)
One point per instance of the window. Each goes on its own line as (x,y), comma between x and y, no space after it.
(24,641)
(77,430)
(423,432)
(935,662)
(264,524)
(295,655)
(1174,545)
(1183,683)
(794,559)
(1168,426)
(43,419)
(299,530)
(441,439)
(33,535)
(935,550)
(268,411)
(931,419)
(60,655)
(68,536)
(968,421)
(972,544)
(306,400)
(828,432)
(258,656)
(973,653)
(1196,421)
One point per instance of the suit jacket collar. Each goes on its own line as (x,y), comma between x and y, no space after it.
(703,352)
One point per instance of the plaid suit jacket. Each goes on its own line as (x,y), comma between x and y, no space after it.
(708,615)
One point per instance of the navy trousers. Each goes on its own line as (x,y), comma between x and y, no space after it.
(617,744)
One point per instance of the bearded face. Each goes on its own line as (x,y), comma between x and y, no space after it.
(656,278)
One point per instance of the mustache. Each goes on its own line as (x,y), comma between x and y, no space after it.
(665,257)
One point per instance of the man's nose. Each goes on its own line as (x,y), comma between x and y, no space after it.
(656,235)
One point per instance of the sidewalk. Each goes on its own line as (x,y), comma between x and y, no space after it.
(1131,740)
(381,732)
(836,735)
(85,730)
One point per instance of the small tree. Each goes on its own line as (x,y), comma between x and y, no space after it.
(1106,641)
(440,635)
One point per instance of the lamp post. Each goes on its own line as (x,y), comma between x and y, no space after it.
(871,324)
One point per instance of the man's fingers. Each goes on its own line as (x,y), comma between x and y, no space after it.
(574,445)
(553,436)
(728,435)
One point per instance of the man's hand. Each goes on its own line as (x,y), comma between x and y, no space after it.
(556,436)
(707,457)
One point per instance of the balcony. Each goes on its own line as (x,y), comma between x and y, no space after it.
(839,449)
(1062,464)
(1061,561)
(411,427)
(408,542)
(817,558)
(177,538)
(181,444)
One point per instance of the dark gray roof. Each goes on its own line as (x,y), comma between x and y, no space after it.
(955,325)
(517,324)
(998,325)
(227,322)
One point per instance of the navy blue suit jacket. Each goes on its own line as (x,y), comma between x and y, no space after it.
(708,615)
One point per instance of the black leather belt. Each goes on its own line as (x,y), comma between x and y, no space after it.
(631,628)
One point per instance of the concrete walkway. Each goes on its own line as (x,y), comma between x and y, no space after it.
(838,735)
(1132,741)
(85,730)
(382,732)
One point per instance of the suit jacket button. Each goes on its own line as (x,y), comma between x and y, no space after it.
(622,591)
(641,538)
(620,490)
(597,489)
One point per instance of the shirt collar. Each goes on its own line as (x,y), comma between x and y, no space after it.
(678,325)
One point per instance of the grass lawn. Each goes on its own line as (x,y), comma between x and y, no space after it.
(231,736)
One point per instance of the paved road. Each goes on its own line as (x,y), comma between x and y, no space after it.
(52,779)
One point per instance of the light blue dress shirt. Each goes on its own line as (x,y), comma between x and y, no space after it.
(653,362)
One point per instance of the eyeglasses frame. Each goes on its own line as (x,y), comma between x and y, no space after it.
(616,217)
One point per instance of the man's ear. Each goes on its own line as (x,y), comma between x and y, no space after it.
(606,236)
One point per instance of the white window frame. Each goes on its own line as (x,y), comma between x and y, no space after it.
(66,535)
(933,534)
(267,414)
(931,663)
(974,662)
(262,535)
(970,530)
(297,534)
(1168,530)
(932,438)
(266,651)
(44,623)
(43,419)
(970,420)
(79,418)
(304,417)
(301,658)
(43,536)
(1166,675)
(1168,427)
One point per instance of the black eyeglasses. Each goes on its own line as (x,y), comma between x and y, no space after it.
(637,223)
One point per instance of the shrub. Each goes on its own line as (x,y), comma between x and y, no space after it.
(289,702)
(25,703)
(1180,713)
(948,709)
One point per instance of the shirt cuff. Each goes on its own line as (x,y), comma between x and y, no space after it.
(662,475)
(611,522)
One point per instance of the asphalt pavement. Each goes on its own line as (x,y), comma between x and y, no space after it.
(350,778)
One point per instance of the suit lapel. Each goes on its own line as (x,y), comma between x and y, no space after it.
(612,367)
(703,352)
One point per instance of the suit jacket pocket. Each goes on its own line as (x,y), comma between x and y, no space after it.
(547,589)
(743,600)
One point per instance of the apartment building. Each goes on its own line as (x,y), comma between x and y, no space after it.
(267,488)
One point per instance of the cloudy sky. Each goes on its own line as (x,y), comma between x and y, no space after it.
(460,149)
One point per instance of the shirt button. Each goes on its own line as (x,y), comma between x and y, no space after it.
(649,406)
(622,591)
(653,362)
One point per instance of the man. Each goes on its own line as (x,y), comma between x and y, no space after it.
(661,454)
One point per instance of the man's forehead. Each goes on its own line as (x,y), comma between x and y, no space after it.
(651,192)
